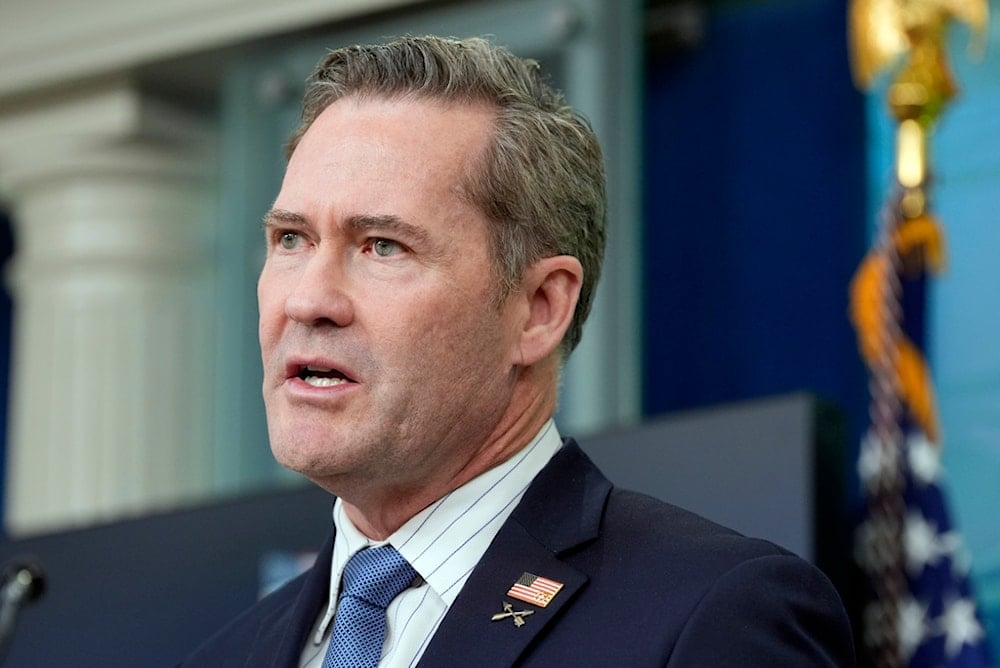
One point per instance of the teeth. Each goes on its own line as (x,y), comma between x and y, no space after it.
(318,369)
(323,381)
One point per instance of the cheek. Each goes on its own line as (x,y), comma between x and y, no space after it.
(433,335)
(469,334)
(271,310)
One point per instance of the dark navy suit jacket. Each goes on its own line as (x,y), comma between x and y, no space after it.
(646,584)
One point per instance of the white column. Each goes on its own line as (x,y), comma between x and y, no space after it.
(111,387)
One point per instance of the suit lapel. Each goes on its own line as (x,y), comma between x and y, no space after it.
(561,510)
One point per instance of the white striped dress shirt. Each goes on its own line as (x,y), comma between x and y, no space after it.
(443,543)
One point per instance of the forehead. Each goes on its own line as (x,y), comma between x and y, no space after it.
(418,141)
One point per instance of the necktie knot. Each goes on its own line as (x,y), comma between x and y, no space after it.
(377,575)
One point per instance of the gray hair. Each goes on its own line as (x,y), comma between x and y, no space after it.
(541,182)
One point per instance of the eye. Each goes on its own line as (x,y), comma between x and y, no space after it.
(289,240)
(385,247)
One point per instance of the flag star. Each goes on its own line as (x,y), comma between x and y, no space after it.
(875,628)
(913,626)
(951,543)
(960,626)
(871,461)
(921,543)
(924,459)
(873,545)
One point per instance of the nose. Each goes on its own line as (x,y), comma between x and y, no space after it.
(319,295)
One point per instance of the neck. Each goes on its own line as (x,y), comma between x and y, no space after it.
(381,509)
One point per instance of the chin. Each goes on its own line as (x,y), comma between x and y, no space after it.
(313,458)
(302,458)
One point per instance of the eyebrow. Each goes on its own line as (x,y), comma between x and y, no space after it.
(276,217)
(388,222)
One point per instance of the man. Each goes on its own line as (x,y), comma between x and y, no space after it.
(431,257)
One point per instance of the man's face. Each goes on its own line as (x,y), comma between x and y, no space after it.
(385,358)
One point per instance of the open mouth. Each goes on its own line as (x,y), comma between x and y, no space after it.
(322,377)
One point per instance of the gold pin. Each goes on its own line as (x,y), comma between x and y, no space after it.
(517,615)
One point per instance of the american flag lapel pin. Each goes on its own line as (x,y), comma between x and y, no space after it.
(534,589)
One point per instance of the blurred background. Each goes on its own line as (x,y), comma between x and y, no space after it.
(140,144)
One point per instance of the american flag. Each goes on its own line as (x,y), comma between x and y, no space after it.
(534,589)
(921,610)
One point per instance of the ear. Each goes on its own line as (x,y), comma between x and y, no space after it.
(551,289)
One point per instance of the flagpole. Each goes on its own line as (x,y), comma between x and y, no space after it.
(909,245)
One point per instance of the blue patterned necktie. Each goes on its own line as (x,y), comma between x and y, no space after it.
(372,578)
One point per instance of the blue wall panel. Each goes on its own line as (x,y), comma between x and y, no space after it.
(755,210)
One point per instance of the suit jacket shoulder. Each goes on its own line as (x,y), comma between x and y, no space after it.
(717,597)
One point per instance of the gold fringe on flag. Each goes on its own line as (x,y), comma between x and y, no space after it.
(919,243)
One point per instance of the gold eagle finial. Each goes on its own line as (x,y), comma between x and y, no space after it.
(883,30)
